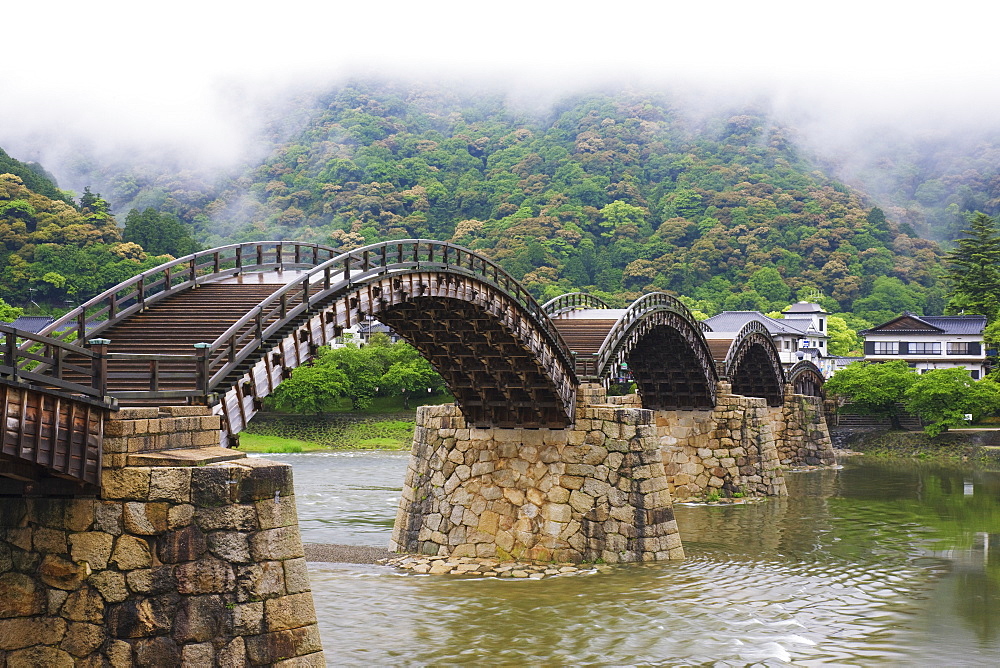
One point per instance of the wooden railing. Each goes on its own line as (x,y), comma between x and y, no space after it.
(46,362)
(573,301)
(144,289)
(350,270)
(212,362)
(639,309)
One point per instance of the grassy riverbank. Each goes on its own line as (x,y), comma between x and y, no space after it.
(385,425)
(949,446)
(300,435)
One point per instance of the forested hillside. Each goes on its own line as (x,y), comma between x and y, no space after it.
(53,251)
(932,181)
(615,194)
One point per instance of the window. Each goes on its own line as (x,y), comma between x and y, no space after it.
(822,344)
(925,348)
(958,347)
(975,374)
(886,348)
(821,324)
(788,344)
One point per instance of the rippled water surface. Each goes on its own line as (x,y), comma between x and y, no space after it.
(877,563)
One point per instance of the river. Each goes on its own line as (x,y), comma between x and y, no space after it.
(879,562)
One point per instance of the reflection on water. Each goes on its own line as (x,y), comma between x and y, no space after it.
(877,563)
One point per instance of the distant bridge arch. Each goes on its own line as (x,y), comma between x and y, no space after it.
(806,378)
(750,361)
(656,337)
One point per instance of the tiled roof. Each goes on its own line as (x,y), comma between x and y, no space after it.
(734,321)
(31,323)
(931,324)
(804,307)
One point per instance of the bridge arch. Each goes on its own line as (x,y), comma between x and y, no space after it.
(447,300)
(806,378)
(656,337)
(572,301)
(753,366)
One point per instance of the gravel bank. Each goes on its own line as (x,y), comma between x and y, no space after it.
(345,554)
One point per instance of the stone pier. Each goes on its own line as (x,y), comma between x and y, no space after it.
(190,555)
(596,490)
(729,450)
(803,437)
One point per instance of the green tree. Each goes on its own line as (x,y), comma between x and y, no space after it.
(410,378)
(9,313)
(873,388)
(974,269)
(770,285)
(843,339)
(889,297)
(93,203)
(942,398)
(621,219)
(159,233)
(311,389)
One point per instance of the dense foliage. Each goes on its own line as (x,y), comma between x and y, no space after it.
(360,373)
(33,176)
(943,397)
(873,388)
(940,397)
(55,252)
(9,313)
(614,194)
(931,181)
(159,233)
(974,269)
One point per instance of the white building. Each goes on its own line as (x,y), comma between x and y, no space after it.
(800,335)
(811,319)
(930,342)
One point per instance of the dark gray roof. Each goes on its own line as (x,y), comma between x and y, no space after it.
(31,323)
(374,328)
(932,324)
(804,307)
(734,321)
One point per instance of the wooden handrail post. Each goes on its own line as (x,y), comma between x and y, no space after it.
(201,350)
(99,365)
(10,352)
(239,259)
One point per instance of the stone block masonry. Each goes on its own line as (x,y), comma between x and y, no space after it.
(172,565)
(803,437)
(729,450)
(593,491)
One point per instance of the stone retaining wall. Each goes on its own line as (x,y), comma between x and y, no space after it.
(172,565)
(595,490)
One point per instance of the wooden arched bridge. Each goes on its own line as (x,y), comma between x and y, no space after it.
(224,327)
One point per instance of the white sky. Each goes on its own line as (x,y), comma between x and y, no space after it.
(189,74)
